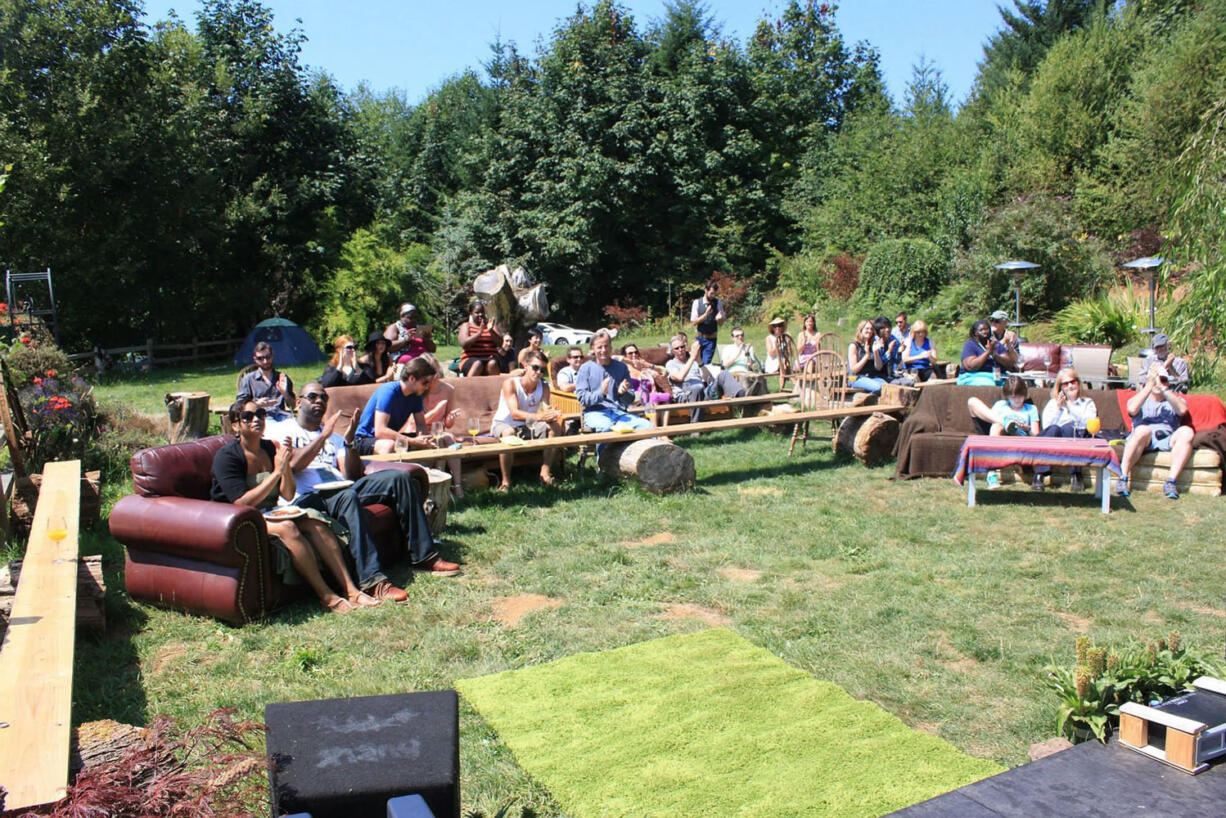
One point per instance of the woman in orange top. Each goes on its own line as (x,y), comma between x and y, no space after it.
(479,341)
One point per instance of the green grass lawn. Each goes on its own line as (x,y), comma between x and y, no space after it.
(943,615)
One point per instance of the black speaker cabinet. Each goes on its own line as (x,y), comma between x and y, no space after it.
(344,758)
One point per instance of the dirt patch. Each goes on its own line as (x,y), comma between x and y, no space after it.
(953,659)
(687,611)
(167,654)
(1200,609)
(509,610)
(1081,624)
(930,727)
(740,574)
(663,538)
(758,491)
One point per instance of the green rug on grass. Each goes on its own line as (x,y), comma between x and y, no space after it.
(709,724)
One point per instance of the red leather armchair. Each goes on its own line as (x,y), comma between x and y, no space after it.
(187,552)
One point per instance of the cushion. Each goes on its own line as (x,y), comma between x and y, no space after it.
(177,470)
(1205,412)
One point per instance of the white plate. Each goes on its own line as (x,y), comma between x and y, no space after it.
(511,440)
(284,513)
(333,485)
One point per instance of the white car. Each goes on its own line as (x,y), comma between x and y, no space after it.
(562,335)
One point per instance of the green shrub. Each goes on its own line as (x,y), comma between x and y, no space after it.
(1043,230)
(1112,320)
(1092,691)
(900,274)
(122,431)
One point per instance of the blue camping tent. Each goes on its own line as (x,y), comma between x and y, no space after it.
(290,343)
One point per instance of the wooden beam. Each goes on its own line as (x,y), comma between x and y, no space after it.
(574,441)
(36,657)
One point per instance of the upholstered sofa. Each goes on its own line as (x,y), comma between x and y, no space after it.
(932,435)
(187,552)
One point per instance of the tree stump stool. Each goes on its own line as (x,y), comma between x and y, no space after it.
(659,466)
(189,415)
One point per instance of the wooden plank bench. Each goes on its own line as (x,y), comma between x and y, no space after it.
(36,657)
(575,441)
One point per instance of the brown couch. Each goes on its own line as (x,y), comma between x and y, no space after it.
(932,435)
(477,395)
(187,552)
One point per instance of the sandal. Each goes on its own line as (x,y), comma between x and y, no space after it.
(547,480)
(364,600)
(339,605)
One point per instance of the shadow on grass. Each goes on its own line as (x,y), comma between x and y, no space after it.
(1050,499)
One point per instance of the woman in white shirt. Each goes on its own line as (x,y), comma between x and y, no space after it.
(1065,415)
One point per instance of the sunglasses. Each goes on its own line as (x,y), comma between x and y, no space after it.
(316,396)
(351,346)
(248,416)
(536,367)
(1070,383)
(675,349)
(574,357)
(738,335)
(263,357)
(632,353)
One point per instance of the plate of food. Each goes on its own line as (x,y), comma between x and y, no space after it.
(511,440)
(333,485)
(284,513)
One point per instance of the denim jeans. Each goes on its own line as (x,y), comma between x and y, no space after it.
(706,350)
(867,384)
(391,487)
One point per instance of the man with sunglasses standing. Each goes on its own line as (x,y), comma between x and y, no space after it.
(524,411)
(271,390)
(324,452)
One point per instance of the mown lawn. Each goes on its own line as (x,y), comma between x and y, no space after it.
(943,615)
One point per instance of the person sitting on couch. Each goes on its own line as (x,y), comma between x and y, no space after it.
(918,353)
(524,411)
(1156,412)
(1011,415)
(1064,415)
(603,389)
(324,453)
(390,407)
(567,374)
(692,382)
(251,471)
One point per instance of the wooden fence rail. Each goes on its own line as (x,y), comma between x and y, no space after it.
(155,353)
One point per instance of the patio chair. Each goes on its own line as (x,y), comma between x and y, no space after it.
(1093,363)
(822,385)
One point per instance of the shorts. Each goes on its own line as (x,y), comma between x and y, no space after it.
(530,430)
(466,364)
(1159,439)
(364,446)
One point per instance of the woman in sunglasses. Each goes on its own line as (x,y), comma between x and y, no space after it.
(524,412)
(250,471)
(343,369)
(1064,416)
(649,383)
(377,362)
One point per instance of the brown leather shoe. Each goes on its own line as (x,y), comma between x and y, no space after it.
(385,590)
(438,567)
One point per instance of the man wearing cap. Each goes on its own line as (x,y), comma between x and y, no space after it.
(405,339)
(1176,367)
(1006,340)
(706,314)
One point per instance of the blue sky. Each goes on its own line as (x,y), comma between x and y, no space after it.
(414,45)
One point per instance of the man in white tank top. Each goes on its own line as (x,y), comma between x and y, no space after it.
(524,411)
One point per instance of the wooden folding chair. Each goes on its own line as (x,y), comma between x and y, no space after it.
(822,385)
(788,355)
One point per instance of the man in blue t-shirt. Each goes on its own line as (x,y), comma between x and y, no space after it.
(391,406)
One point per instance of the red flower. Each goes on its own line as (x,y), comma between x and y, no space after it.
(38,381)
(3,308)
(25,339)
(50,373)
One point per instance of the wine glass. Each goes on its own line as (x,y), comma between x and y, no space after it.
(1093,425)
(402,445)
(474,426)
(57,527)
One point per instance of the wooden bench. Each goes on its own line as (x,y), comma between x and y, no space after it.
(574,441)
(36,657)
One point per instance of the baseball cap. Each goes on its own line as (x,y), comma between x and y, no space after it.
(999,315)
(1159,340)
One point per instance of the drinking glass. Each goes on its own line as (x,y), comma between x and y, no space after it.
(1093,425)
(1047,365)
(1079,428)
(57,527)
(436,429)
(402,445)
(474,426)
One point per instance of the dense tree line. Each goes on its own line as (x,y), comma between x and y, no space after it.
(177,179)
